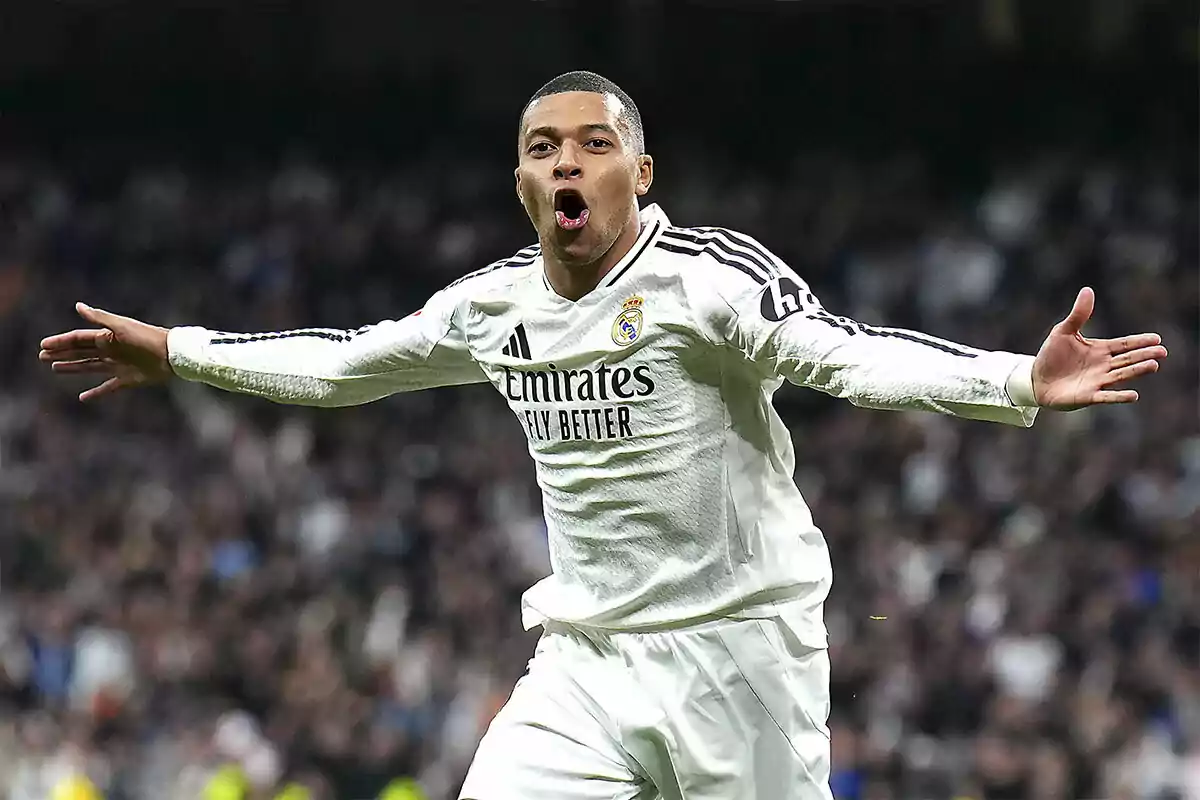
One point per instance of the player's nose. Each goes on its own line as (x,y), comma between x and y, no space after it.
(568,165)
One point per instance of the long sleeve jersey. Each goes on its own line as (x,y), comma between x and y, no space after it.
(666,473)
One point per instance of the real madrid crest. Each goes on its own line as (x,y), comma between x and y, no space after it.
(627,327)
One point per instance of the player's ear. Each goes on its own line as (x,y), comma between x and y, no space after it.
(516,174)
(645,175)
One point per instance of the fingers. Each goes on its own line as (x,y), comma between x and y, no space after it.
(1134,342)
(86,366)
(1132,371)
(1118,376)
(77,354)
(84,340)
(98,316)
(1085,302)
(108,387)
(1112,397)
(1137,356)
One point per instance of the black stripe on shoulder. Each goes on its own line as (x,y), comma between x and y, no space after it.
(522,258)
(736,244)
(713,239)
(738,265)
(745,241)
(713,244)
(489,268)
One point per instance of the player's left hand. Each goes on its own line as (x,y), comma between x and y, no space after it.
(1072,371)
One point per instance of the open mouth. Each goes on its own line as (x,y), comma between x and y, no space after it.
(570,210)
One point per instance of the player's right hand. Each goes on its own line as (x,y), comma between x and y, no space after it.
(127,351)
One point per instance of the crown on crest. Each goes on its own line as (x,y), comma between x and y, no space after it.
(632,303)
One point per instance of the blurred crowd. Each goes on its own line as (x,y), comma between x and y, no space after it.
(203,593)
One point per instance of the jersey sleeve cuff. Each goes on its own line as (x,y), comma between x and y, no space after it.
(1020,384)
(185,351)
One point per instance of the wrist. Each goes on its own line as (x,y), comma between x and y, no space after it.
(1019,385)
(184,350)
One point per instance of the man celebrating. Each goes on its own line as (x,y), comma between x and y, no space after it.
(684,651)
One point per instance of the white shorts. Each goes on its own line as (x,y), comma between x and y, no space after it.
(727,710)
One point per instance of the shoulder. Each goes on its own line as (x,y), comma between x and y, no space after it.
(726,275)
(482,284)
(729,261)
(498,274)
(728,268)
(485,283)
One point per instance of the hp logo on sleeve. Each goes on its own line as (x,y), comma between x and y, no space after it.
(781,299)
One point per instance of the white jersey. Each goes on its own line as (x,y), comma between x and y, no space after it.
(666,473)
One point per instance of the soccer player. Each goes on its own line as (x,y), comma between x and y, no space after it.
(683,652)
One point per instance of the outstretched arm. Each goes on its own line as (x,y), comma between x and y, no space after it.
(897,369)
(310,366)
(781,326)
(883,368)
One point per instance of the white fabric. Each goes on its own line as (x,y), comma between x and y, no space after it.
(727,710)
(666,473)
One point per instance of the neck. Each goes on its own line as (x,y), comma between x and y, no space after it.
(573,281)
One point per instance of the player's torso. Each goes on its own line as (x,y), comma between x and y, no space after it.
(655,446)
(618,372)
(621,402)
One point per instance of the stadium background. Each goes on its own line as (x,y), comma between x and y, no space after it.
(320,602)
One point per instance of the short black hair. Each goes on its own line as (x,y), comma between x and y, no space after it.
(583,81)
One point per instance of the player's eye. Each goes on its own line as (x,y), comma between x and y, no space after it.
(540,148)
(599,143)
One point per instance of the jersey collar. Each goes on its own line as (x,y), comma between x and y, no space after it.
(653,221)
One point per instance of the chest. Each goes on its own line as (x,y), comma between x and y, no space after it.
(604,371)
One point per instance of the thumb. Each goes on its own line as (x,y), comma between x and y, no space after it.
(1085,302)
(96,316)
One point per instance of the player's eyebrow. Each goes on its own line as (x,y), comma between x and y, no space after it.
(551,132)
(603,127)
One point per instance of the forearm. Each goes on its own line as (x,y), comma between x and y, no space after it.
(885,370)
(316,367)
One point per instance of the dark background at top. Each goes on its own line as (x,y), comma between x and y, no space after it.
(365,81)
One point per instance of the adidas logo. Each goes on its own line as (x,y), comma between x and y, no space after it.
(518,344)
